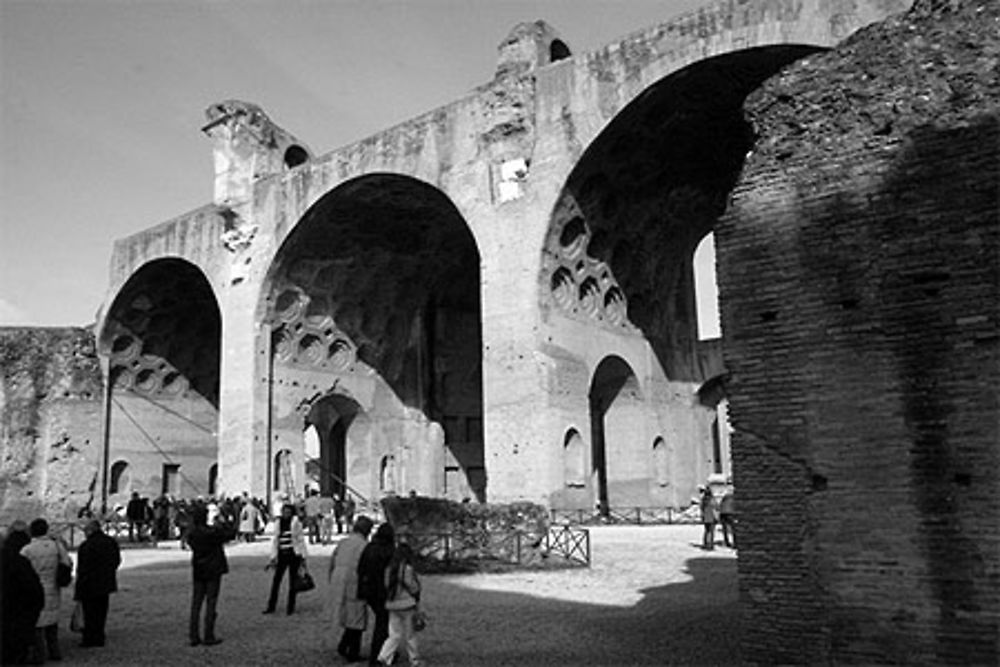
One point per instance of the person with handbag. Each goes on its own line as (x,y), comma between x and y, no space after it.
(288,552)
(46,554)
(96,578)
(402,601)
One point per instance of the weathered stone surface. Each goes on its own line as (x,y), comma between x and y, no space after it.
(50,415)
(859,281)
(496,299)
(419,277)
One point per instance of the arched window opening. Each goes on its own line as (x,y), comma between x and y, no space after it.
(213,478)
(118,479)
(295,155)
(661,462)
(558,50)
(574,463)
(706,289)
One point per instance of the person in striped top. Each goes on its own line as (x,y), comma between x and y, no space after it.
(288,552)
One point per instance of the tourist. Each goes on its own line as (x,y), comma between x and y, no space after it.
(371,583)
(313,507)
(161,519)
(349,509)
(708,517)
(249,518)
(135,512)
(326,506)
(23,596)
(347,609)
(338,514)
(208,564)
(183,521)
(727,516)
(45,553)
(96,578)
(402,597)
(288,552)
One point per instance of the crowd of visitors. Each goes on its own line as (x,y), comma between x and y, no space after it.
(376,575)
(362,575)
(36,567)
(168,518)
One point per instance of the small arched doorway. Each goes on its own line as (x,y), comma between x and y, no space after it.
(615,423)
(332,417)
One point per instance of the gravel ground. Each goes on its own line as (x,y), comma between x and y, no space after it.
(651,597)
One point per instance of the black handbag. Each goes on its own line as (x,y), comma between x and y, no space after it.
(303,581)
(64,575)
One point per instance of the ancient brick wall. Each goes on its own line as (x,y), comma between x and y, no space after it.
(50,422)
(858,271)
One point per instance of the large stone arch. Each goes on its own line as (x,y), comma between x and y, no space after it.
(375,294)
(161,337)
(617,269)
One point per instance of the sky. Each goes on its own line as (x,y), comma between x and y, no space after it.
(102,102)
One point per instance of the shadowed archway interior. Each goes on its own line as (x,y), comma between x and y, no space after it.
(648,189)
(381,276)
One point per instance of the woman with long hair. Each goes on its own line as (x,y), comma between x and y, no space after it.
(371,582)
(402,597)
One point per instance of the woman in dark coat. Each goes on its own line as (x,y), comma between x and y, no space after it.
(22,599)
(371,583)
(96,578)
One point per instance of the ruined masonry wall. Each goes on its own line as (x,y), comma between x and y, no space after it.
(859,280)
(50,421)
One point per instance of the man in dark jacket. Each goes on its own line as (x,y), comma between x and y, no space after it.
(208,564)
(22,596)
(135,512)
(96,579)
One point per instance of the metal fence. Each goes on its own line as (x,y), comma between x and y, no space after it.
(517,547)
(625,515)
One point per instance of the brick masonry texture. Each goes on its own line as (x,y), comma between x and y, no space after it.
(858,273)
